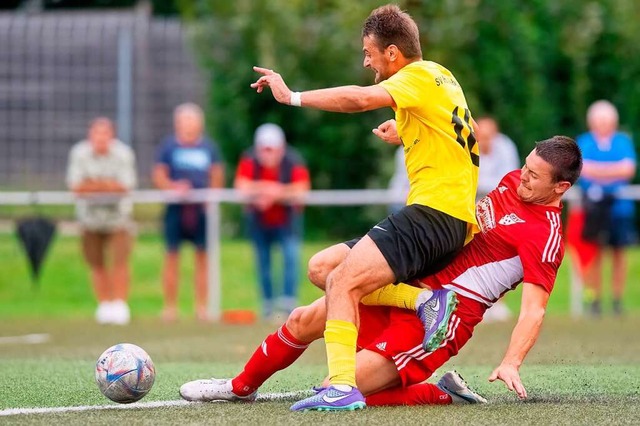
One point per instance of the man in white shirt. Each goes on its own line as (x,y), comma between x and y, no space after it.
(498,156)
(103,164)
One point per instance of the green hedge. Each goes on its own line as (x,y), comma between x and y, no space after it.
(535,65)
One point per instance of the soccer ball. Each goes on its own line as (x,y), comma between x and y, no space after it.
(125,373)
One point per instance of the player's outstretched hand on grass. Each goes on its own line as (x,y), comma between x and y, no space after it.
(510,376)
(274,81)
(387,132)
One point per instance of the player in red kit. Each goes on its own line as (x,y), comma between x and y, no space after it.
(520,242)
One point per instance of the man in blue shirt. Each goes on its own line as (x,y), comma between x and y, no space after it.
(609,166)
(186,160)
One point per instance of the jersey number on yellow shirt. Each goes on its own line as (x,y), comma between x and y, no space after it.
(459,125)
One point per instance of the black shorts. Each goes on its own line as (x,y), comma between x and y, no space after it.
(417,241)
(185,222)
(603,227)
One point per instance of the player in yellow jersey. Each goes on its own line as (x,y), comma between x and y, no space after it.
(433,123)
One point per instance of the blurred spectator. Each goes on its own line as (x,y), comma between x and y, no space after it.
(274,178)
(609,165)
(399,182)
(103,164)
(186,160)
(498,156)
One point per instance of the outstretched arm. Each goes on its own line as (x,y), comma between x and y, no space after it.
(523,337)
(335,99)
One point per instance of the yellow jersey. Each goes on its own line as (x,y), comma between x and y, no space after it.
(440,149)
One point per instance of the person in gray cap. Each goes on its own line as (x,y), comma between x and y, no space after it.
(274,179)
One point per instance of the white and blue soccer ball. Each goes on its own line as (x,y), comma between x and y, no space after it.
(125,373)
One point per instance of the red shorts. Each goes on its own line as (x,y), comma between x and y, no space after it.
(397,335)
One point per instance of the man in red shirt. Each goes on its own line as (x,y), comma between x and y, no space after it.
(274,179)
(521,241)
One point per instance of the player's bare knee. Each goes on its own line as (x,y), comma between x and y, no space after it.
(306,323)
(323,263)
(294,320)
(300,323)
(317,271)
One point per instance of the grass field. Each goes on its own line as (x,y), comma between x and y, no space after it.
(580,372)
(64,290)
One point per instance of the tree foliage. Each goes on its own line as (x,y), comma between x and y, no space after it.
(534,65)
(537,65)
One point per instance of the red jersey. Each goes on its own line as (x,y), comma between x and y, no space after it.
(276,215)
(519,242)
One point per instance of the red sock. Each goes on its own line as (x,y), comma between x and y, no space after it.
(279,350)
(421,394)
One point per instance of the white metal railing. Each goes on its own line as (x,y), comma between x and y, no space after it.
(214,197)
(315,197)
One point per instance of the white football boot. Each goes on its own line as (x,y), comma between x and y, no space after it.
(103,313)
(453,384)
(120,313)
(206,390)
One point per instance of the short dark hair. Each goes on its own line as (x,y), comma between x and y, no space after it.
(564,155)
(389,25)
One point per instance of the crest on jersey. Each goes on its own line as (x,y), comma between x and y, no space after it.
(485,215)
(510,219)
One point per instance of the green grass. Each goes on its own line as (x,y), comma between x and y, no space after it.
(65,291)
(580,372)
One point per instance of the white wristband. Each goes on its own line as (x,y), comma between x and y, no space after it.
(296,99)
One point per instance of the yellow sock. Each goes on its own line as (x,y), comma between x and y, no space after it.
(400,296)
(341,337)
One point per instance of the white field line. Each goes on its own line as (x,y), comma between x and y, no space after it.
(138,405)
(28,339)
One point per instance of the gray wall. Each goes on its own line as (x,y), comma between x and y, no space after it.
(58,70)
